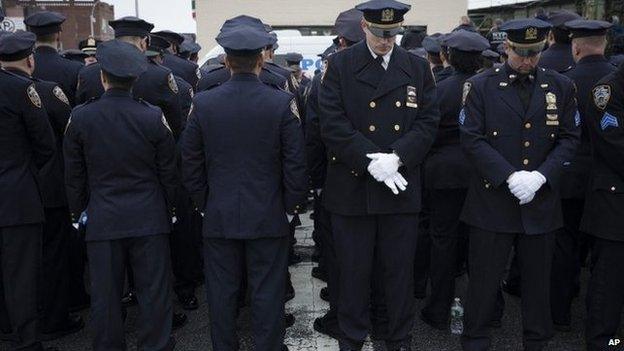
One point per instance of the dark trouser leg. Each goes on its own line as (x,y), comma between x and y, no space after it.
(446,206)
(77,259)
(267,265)
(152,268)
(566,265)
(55,272)
(354,240)
(534,254)
(488,254)
(423,249)
(223,260)
(513,276)
(396,240)
(107,261)
(604,296)
(185,250)
(379,308)
(20,254)
(323,217)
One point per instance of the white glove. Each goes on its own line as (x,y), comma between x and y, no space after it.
(174,220)
(523,185)
(396,182)
(382,165)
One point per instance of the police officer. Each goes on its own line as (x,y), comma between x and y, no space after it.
(558,56)
(447,71)
(51,66)
(221,74)
(216,162)
(588,46)
(518,126)
(604,212)
(157,85)
(27,145)
(446,180)
(54,286)
(185,69)
(293,61)
(349,30)
(432,46)
(126,189)
(378,118)
(89,47)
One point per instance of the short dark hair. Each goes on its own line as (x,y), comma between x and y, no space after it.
(243,64)
(465,62)
(118,82)
(562,36)
(46,38)
(434,58)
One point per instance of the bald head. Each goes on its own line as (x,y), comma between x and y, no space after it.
(588,46)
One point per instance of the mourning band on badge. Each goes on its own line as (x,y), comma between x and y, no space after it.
(411,99)
(33,96)
(58,92)
(601,95)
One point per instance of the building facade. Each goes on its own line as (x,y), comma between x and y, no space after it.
(78,25)
(315,17)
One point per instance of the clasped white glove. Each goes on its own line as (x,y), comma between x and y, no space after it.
(383,165)
(523,185)
(396,182)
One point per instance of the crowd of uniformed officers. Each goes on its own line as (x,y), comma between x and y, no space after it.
(501,158)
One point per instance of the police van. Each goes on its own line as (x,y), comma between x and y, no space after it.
(289,41)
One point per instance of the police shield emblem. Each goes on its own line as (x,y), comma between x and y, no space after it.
(467,87)
(172,83)
(411,98)
(602,95)
(387,15)
(33,96)
(531,33)
(58,92)
(294,109)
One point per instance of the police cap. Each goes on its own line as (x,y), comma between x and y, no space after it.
(188,48)
(349,25)
(464,40)
(244,20)
(131,26)
(293,58)
(489,54)
(558,18)
(244,41)
(45,22)
(587,28)
(89,45)
(75,55)
(526,36)
(16,46)
(157,45)
(121,59)
(431,44)
(171,36)
(384,17)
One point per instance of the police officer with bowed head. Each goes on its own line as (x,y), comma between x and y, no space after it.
(349,32)
(558,56)
(588,46)
(185,69)
(604,212)
(157,85)
(27,145)
(54,288)
(446,179)
(244,124)
(519,125)
(89,47)
(127,190)
(432,46)
(447,71)
(373,181)
(221,74)
(51,66)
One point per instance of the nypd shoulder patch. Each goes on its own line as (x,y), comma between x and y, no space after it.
(602,95)
(58,92)
(173,86)
(462,116)
(33,96)
(608,120)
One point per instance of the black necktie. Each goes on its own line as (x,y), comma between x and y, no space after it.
(380,60)
(524,85)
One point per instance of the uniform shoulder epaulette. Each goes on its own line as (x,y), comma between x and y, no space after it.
(569,68)
(212,69)
(142,101)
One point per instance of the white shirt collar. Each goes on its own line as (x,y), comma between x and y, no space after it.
(386,57)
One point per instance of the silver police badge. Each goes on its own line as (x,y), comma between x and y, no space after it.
(33,96)
(602,95)
(58,92)
(467,87)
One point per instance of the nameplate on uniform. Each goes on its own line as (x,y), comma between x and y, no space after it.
(552,123)
(411,99)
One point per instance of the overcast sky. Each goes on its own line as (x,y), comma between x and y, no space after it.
(175,15)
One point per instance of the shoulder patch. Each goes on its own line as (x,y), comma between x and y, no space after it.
(198,73)
(58,92)
(602,95)
(294,82)
(324,71)
(33,96)
(467,87)
(608,121)
(190,110)
(164,122)
(294,109)
(462,116)
(172,83)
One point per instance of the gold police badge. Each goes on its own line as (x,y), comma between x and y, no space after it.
(33,96)
(58,92)
(530,34)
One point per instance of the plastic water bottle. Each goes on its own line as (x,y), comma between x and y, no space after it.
(457,317)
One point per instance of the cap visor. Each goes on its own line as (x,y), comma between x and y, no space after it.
(385,32)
